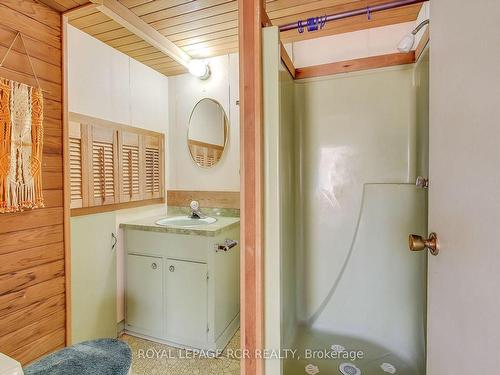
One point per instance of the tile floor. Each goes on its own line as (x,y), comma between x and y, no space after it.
(151,358)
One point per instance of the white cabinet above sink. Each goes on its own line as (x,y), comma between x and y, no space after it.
(180,288)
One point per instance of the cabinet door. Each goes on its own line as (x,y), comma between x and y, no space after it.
(145,294)
(186,301)
(93,277)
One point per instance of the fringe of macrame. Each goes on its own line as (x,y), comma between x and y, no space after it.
(5,142)
(37,145)
(21,169)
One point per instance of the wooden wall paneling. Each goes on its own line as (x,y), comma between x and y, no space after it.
(17,300)
(51,342)
(25,239)
(33,243)
(67,180)
(252,285)
(21,279)
(15,340)
(29,258)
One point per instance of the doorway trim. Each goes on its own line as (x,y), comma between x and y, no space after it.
(251,14)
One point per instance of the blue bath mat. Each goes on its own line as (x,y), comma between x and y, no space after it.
(96,357)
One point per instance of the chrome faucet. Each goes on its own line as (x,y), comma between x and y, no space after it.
(195,211)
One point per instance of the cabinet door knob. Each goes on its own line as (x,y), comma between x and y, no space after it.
(154,266)
(171,268)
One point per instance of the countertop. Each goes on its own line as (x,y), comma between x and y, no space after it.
(210,230)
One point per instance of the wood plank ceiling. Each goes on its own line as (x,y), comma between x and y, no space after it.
(205,28)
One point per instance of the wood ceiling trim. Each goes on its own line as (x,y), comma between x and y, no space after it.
(126,18)
(355,65)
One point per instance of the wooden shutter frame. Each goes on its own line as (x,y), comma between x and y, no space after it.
(87,128)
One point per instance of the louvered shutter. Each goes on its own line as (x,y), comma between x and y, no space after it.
(76,165)
(152,176)
(103,166)
(129,167)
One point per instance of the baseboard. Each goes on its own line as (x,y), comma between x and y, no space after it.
(226,336)
(120,328)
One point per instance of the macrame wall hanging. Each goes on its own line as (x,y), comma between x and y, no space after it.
(21,142)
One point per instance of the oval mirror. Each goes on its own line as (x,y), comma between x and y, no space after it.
(207,132)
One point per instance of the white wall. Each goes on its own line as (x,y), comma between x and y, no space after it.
(105,83)
(184,92)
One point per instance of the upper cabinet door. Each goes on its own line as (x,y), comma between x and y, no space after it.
(104,166)
(152,175)
(129,146)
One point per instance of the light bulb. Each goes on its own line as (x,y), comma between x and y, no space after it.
(406,43)
(199,68)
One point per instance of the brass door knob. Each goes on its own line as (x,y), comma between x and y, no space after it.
(418,243)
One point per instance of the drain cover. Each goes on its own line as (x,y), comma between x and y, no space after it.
(349,369)
(387,367)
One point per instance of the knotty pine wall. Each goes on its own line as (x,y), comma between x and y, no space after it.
(32,256)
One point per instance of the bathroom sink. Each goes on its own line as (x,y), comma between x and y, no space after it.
(185,221)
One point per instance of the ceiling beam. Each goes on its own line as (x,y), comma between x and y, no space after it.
(133,23)
(355,65)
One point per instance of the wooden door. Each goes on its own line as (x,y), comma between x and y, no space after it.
(464,201)
(186,301)
(144,294)
(93,277)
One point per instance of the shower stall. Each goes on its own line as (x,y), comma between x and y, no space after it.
(342,156)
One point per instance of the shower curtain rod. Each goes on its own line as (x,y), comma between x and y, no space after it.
(358,12)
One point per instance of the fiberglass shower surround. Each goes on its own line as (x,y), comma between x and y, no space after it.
(347,278)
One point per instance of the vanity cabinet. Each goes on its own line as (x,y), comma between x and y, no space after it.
(186,295)
(144,293)
(180,289)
